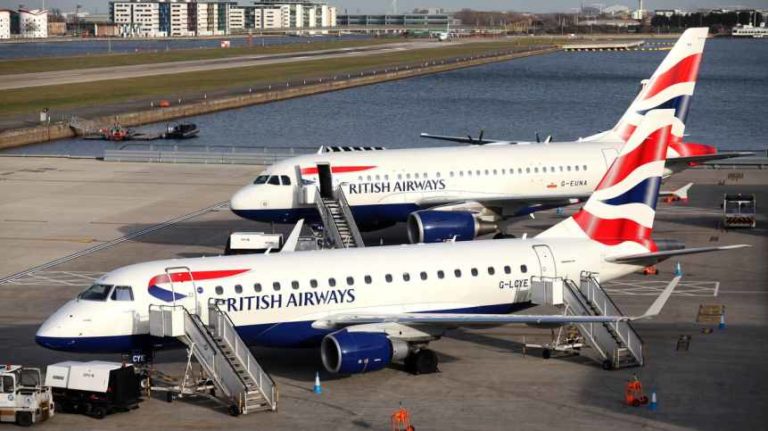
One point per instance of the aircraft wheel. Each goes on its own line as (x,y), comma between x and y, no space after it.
(546,353)
(607,364)
(234,410)
(424,362)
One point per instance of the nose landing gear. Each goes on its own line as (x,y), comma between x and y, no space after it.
(423,361)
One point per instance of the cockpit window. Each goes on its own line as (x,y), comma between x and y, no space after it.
(261,179)
(97,292)
(274,180)
(122,293)
(285,180)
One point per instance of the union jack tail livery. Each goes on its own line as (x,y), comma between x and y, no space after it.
(670,87)
(623,206)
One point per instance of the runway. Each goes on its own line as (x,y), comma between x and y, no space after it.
(74,76)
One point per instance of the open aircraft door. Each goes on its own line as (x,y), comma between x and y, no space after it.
(609,155)
(325,180)
(184,288)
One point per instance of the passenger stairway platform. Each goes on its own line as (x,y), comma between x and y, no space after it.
(237,378)
(615,344)
(340,228)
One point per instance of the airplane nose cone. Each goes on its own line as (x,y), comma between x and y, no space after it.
(56,332)
(242,202)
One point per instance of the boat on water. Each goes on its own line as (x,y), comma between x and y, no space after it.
(115,133)
(118,133)
(748,30)
(181,131)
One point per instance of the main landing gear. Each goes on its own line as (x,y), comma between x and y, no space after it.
(423,361)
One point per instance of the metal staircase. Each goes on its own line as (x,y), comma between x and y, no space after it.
(340,228)
(616,344)
(236,376)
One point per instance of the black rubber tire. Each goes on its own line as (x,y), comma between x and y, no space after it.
(234,410)
(169,397)
(410,363)
(643,400)
(546,353)
(24,419)
(98,412)
(425,362)
(635,403)
(607,364)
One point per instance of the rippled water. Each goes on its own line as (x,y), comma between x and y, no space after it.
(86,47)
(567,95)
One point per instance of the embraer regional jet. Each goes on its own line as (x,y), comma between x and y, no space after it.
(463,192)
(368,307)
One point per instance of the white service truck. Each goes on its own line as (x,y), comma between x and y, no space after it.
(23,399)
(253,242)
(94,388)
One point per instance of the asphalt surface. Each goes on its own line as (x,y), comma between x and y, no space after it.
(27,80)
(54,208)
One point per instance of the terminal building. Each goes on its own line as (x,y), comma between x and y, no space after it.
(164,18)
(395,20)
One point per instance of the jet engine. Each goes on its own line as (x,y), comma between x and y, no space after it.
(438,226)
(346,352)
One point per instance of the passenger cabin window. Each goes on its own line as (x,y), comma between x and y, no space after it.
(313,283)
(457,273)
(295,284)
(257,287)
(440,274)
(507,269)
(219,290)
(238,288)
(332,282)
(122,293)
(491,271)
(406,276)
(523,269)
(97,292)
(276,285)
(261,179)
(368,279)
(285,179)
(274,180)
(474,272)
(388,277)
(423,275)
(350,281)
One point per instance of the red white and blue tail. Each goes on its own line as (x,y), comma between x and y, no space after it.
(623,206)
(670,87)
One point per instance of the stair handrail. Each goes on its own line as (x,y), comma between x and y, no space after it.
(226,329)
(327,218)
(573,290)
(607,306)
(347,210)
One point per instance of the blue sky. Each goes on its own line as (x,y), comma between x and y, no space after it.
(380,6)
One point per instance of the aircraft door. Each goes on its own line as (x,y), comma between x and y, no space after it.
(609,155)
(546,261)
(325,179)
(182,283)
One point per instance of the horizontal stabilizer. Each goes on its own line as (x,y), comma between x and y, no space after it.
(681,193)
(708,157)
(646,259)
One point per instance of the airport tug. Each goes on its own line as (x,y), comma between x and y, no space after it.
(23,398)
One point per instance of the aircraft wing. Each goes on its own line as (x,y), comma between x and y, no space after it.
(647,259)
(464,139)
(461,319)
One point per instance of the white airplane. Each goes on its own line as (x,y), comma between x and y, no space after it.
(467,191)
(368,307)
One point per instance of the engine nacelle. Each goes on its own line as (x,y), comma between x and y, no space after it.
(347,352)
(439,226)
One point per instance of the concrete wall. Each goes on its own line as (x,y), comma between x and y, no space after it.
(20,137)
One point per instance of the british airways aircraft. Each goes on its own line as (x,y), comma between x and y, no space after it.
(464,192)
(368,307)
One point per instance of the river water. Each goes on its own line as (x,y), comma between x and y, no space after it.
(566,94)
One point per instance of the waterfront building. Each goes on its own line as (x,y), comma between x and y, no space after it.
(159,18)
(33,23)
(5,24)
(395,20)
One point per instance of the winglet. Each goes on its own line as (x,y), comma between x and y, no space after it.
(293,238)
(682,192)
(660,301)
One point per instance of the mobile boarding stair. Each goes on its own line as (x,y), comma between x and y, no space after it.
(614,344)
(232,372)
(340,228)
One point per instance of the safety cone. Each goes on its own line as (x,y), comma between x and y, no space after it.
(721,325)
(317,389)
(653,405)
(678,270)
